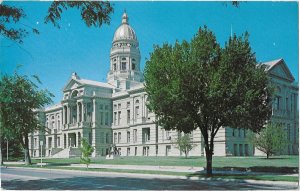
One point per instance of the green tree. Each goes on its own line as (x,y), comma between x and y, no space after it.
(271,140)
(207,86)
(19,97)
(86,150)
(184,144)
(93,13)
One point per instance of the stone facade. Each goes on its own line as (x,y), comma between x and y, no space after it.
(115,113)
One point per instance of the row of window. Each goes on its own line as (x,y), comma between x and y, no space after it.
(124,65)
(239,133)
(118,137)
(241,150)
(290,103)
(145,151)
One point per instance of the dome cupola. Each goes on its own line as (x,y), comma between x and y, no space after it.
(124,31)
(125,57)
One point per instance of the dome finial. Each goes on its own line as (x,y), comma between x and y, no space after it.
(124,17)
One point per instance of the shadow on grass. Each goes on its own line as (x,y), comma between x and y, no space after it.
(268,169)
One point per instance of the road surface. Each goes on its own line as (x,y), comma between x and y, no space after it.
(45,179)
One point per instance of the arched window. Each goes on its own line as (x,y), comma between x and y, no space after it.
(133,64)
(74,94)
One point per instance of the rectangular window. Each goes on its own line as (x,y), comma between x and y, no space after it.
(128,104)
(135,151)
(115,118)
(106,118)
(168,137)
(58,125)
(233,131)
(119,106)
(115,138)
(235,149)
(119,137)
(123,66)
(119,117)
(128,137)
(145,151)
(128,151)
(134,135)
(58,141)
(146,135)
(168,150)
(101,106)
(239,132)
(246,150)
(128,116)
(241,149)
(101,118)
(137,112)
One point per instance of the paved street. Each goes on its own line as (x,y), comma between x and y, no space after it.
(34,179)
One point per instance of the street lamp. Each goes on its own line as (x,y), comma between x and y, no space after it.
(41,145)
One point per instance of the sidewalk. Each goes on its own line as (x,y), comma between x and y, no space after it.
(143,167)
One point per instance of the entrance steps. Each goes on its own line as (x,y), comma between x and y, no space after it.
(67,153)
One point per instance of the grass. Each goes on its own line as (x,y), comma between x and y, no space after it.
(222,176)
(244,162)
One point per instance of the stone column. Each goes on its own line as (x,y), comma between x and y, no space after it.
(62,141)
(82,111)
(63,115)
(94,113)
(67,140)
(77,114)
(68,114)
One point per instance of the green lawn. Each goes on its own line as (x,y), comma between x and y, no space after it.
(245,162)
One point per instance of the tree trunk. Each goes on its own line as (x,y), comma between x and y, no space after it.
(208,161)
(186,154)
(26,148)
(268,155)
(1,155)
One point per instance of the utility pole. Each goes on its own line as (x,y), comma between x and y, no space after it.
(41,145)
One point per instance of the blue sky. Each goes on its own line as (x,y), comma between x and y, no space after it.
(56,53)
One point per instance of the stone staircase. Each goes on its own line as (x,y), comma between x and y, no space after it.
(67,153)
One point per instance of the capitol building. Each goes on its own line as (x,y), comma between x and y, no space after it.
(114,113)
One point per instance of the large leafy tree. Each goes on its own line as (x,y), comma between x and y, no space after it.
(93,13)
(198,84)
(270,140)
(19,99)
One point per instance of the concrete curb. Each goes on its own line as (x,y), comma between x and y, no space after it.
(139,175)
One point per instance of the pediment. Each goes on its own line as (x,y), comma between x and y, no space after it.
(281,70)
(72,84)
